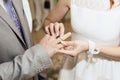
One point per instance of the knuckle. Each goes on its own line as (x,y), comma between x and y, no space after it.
(56,23)
(51,23)
(61,23)
(46,35)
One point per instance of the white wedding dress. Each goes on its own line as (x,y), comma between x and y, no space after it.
(102,26)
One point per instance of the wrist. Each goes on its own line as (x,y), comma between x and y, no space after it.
(84,45)
(46,22)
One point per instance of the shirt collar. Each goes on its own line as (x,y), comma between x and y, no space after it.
(2,4)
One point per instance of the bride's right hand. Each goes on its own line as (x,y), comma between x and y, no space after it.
(56,29)
(73,48)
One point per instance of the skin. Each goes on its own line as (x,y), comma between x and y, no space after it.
(56,15)
(72,48)
(52,44)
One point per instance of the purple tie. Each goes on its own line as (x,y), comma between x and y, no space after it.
(12,13)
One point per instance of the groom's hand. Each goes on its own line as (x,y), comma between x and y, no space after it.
(52,44)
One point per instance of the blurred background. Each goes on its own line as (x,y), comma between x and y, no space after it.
(39,10)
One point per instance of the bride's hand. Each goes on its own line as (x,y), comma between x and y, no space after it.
(55,29)
(74,47)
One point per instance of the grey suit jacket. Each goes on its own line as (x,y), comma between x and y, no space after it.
(19,60)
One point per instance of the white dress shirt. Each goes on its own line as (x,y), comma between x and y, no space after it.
(27,12)
(1,3)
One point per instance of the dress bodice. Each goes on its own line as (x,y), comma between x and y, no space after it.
(101,26)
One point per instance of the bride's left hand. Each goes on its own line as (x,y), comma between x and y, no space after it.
(73,48)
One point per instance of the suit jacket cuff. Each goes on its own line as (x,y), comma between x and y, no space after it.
(42,60)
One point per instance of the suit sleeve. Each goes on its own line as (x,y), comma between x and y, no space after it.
(25,66)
